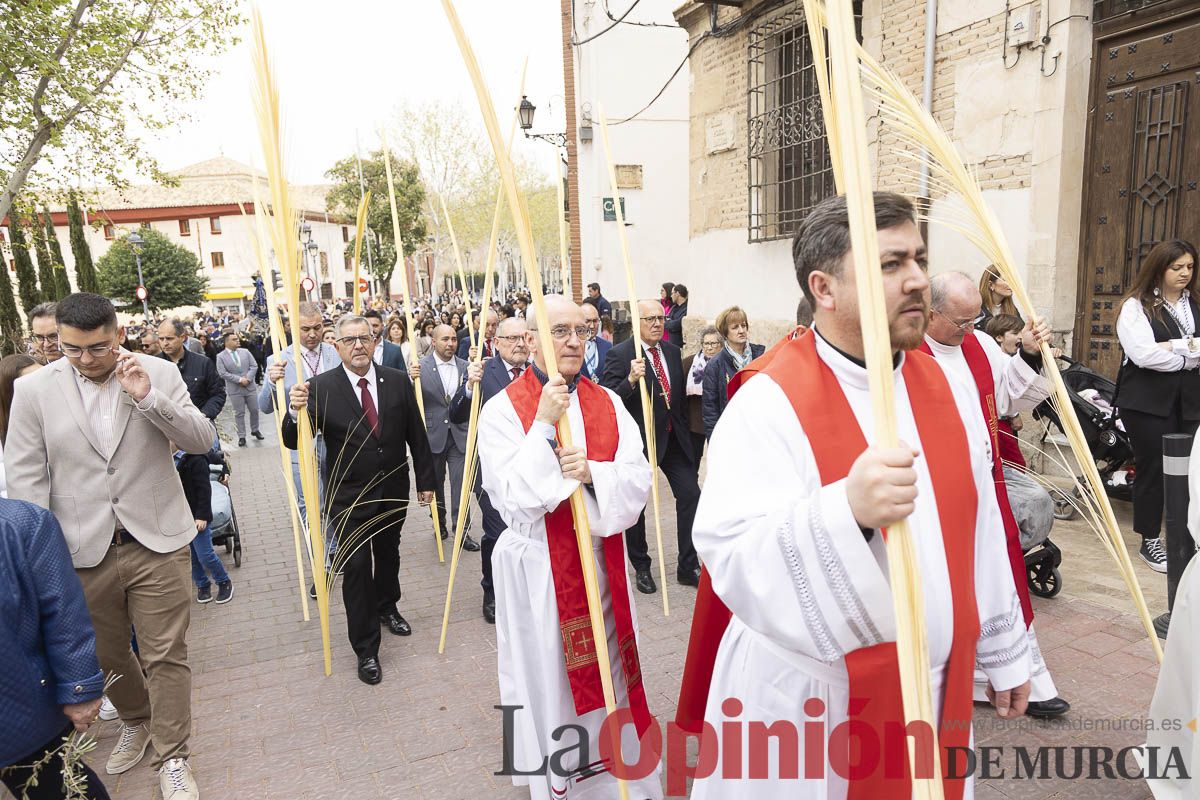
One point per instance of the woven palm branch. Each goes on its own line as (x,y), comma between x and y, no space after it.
(283,233)
(928,144)
(516,202)
(643,392)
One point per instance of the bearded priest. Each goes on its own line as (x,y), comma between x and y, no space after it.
(546,654)
(794,619)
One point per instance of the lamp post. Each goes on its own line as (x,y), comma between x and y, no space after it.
(316,273)
(525,113)
(305,240)
(135,244)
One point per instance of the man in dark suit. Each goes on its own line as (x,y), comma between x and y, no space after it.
(384,353)
(204,385)
(674,323)
(491,377)
(489,338)
(596,347)
(662,366)
(598,300)
(368,415)
(443,374)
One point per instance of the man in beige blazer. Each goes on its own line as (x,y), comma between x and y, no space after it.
(89,438)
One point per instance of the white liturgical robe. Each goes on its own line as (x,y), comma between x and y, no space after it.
(806,587)
(524,482)
(1018,388)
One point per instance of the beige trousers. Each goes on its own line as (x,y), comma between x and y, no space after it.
(137,590)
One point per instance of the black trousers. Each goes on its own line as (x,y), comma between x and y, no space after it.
(49,775)
(371,574)
(493,526)
(1145,436)
(681,473)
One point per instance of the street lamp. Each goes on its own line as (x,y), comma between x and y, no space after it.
(135,244)
(525,118)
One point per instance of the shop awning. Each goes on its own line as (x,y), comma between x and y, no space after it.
(227,294)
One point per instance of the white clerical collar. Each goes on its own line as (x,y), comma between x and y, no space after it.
(847,368)
(939,349)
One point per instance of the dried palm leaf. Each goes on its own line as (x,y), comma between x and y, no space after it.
(360,227)
(529,259)
(462,276)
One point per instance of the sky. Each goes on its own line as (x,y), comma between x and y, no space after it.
(344,66)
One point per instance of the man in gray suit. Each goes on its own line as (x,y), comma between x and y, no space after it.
(237,368)
(90,437)
(444,373)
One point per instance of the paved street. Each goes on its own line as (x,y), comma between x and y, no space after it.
(268,724)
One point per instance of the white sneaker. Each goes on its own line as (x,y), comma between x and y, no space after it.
(131,746)
(176,782)
(107,710)
(1153,554)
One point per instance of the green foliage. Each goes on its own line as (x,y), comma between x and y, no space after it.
(49,290)
(10,318)
(85,270)
(344,197)
(173,274)
(62,283)
(27,286)
(72,72)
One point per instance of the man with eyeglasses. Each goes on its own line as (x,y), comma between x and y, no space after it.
(89,438)
(1006,385)
(369,417)
(596,347)
(489,337)
(444,373)
(491,376)
(661,365)
(546,656)
(44,334)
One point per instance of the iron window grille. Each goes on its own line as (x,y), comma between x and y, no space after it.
(1107,9)
(789,170)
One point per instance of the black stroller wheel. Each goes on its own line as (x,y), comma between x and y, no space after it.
(1045,583)
(228,544)
(1063,508)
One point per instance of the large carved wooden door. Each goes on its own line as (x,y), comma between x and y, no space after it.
(1142,168)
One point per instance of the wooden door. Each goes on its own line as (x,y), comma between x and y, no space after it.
(1141,169)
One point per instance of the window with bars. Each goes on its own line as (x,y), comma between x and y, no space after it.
(789,170)
(1106,9)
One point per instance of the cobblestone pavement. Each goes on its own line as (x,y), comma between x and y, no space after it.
(268,724)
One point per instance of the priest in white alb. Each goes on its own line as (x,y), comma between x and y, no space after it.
(1006,385)
(794,625)
(546,655)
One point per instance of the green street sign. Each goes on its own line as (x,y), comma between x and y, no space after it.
(610,211)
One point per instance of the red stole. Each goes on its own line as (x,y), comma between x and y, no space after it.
(579,648)
(981,371)
(836,440)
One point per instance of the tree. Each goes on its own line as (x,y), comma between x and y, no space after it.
(344,197)
(49,290)
(61,282)
(85,271)
(10,318)
(27,286)
(73,71)
(173,274)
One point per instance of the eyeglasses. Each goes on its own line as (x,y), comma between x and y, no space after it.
(51,338)
(95,350)
(659,320)
(961,324)
(707,345)
(351,341)
(517,338)
(562,333)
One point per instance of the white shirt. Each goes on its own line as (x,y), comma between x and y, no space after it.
(1137,338)
(508,368)
(371,385)
(448,373)
(100,402)
(377,355)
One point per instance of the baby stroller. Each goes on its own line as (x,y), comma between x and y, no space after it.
(224,524)
(1092,397)
(1035,511)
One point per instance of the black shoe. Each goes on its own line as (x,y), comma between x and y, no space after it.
(489,610)
(445,534)
(689,577)
(257,435)
(312,591)
(204,594)
(224,592)
(645,582)
(369,671)
(396,623)
(469,544)
(1047,709)
(242,442)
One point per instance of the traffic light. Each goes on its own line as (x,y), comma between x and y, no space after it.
(276,281)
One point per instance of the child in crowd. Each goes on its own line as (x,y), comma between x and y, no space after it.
(193,474)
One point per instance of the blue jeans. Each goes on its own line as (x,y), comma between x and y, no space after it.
(203,556)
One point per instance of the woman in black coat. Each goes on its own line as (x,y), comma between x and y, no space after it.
(734,328)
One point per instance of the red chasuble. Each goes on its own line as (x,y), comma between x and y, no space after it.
(836,440)
(579,648)
(981,371)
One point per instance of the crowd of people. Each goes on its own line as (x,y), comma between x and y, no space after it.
(111,428)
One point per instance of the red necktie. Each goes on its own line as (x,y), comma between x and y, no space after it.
(516,372)
(662,375)
(487,348)
(368,406)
